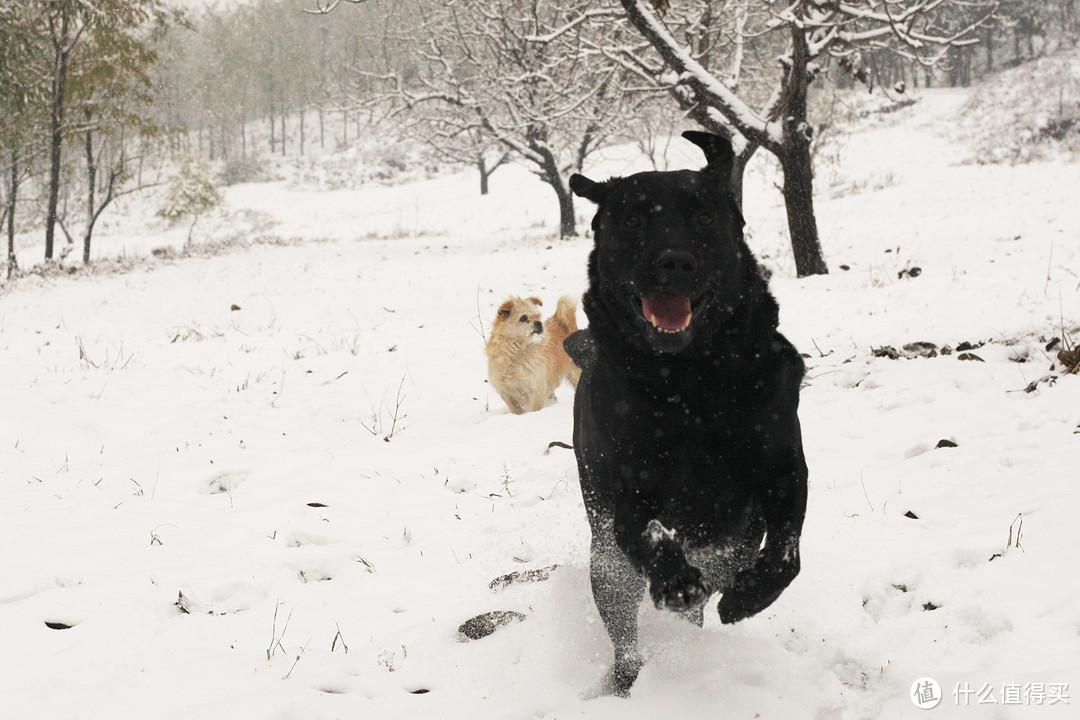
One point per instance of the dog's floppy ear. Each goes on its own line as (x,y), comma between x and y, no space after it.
(505,308)
(718,153)
(535,301)
(588,189)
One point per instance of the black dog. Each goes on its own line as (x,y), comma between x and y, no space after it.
(685,419)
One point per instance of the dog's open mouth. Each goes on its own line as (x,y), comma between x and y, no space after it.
(670,314)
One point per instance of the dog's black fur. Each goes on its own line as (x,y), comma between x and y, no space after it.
(687,440)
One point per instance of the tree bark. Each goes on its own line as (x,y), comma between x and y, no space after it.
(549,168)
(12,265)
(799,203)
(91,178)
(56,132)
(486,171)
(567,221)
(796,161)
(481,165)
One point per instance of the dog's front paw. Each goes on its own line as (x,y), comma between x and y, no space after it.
(756,589)
(680,591)
(747,597)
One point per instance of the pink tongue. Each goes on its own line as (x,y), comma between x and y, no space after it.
(668,312)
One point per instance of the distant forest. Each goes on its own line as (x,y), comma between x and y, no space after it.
(102,98)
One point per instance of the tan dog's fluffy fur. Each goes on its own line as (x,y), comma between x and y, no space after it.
(526,360)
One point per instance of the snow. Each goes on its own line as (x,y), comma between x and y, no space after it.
(223,426)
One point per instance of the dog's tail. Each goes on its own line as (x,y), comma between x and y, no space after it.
(561,325)
(565,317)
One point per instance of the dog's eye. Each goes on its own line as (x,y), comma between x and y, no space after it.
(705,218)
(524,318)
(631,221)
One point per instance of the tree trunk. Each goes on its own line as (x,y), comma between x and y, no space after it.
(797,163)
(273,130)
(12,265)
(799,203)
(56,138)
(283,114)
(567,221)
(481,165)
(302,113)
(91,178)
(549,173)
(322,128)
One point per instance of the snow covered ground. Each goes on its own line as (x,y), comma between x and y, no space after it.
(272,483)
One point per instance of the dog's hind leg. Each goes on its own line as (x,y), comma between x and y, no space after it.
(617,589)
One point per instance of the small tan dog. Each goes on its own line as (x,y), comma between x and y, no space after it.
(526,360)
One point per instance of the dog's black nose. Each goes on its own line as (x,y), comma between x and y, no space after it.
(675,264)
(538,327)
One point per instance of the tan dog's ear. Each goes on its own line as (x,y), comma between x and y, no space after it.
(536,301)
(505,308)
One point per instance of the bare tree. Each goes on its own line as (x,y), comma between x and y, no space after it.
(23,108)
(87,44)
(471,146)
(721,36)
(518,73)
(813,32)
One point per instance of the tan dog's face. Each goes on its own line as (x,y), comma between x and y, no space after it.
(520,319)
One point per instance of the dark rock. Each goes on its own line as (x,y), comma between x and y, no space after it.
(887,351)
(921,349)
(483,625)
(538,575)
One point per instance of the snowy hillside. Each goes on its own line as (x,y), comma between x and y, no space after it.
(271,483)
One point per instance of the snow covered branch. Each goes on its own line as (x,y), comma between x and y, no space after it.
(325,8)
